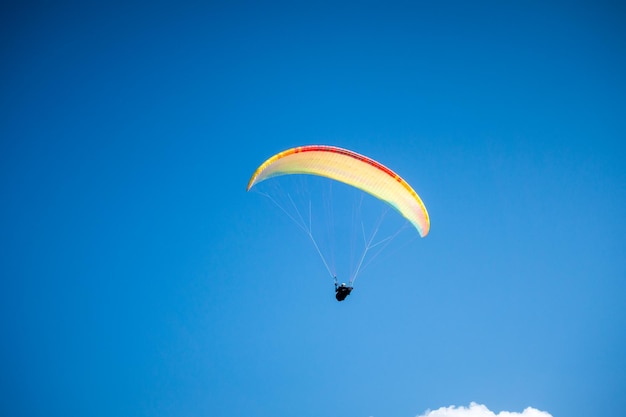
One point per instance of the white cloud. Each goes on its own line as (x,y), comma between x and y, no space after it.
(478,410)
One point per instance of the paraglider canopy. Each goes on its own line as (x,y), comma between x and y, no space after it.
(350,168)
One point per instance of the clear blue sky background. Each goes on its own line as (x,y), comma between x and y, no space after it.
(140,279)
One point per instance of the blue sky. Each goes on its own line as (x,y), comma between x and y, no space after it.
(139,277)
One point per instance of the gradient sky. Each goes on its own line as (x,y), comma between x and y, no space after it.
(140,279)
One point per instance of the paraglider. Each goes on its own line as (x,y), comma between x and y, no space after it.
(342,291)
(355,170)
